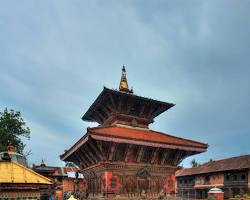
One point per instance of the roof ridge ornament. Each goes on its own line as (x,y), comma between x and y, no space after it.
(124,83)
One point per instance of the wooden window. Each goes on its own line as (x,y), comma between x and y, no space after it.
(243,177)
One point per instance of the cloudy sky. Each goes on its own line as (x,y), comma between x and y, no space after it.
(56,56)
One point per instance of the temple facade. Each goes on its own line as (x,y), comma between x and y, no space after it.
(123,156)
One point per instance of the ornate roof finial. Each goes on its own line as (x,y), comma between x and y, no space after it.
(124,83)
(43,163)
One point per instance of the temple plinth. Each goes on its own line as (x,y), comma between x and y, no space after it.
(123,155)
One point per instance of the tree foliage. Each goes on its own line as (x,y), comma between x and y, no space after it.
(194,163)
(12,129)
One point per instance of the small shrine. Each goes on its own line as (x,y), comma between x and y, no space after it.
(17,181)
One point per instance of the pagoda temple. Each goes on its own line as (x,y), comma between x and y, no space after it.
(123,155)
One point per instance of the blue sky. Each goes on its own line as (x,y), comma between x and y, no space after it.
(56,56)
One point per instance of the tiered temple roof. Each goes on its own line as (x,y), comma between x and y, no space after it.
(123,155)
(124,120)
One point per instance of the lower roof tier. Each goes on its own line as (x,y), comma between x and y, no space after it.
(128,144)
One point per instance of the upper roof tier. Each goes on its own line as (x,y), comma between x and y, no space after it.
(113,106)
(123,107)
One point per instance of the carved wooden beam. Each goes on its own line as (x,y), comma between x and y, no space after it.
(96,149)
(142,110)
(103,113)
(108,106)
(178,157)
(120,101)
(164,156)
(170,157)
(173,156)
(129,103)
(83,165)
(124,147)
(140,153)
(112,150)
(97,117)
(99,144)
(81,161)
(84,154)
(158,110)
(152,108)
(75,159)
(129,147)
(183,156)
(84,159)
(106,110)
(88,150)
(106,146)
(154,156)
(100,116)
(112,102)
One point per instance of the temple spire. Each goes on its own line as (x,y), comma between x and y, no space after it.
(124,83)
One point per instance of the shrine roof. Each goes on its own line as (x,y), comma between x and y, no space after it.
(234,163)
(13,172)
(55,171)
(104,98)
(137,136)
(145,135)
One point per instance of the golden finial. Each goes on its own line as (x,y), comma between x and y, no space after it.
(124,83)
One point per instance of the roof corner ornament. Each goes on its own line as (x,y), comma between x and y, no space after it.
(124,83)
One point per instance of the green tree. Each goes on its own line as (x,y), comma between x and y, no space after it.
(12,129)
(194,163)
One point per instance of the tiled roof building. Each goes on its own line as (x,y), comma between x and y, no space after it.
(64,178)
(231,175)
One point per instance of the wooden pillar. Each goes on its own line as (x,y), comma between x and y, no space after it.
(140,152)
(112,150)
(129,147)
